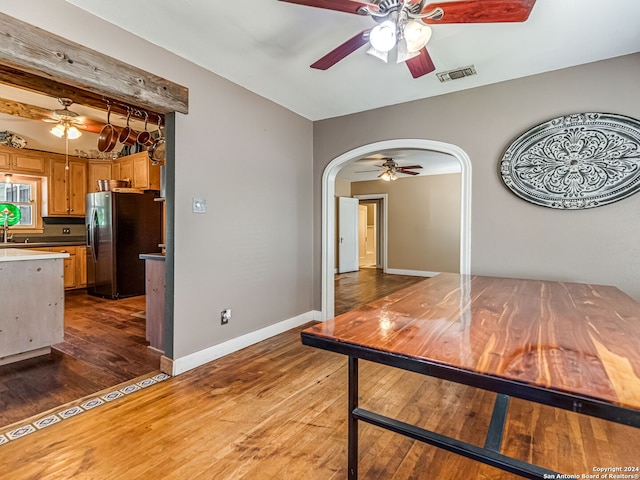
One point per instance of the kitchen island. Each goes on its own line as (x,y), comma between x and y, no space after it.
(31,303)
(155,292)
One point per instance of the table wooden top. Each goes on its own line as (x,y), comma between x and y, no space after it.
(574,338)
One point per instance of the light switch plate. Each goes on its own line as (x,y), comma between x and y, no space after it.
(199,205)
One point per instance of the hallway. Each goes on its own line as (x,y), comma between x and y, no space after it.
(353,289)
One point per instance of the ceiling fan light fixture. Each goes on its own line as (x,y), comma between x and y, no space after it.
(383,36)
(378,54)
(73,133)
(388,176)
(403,53)
(416,35)
(58,130)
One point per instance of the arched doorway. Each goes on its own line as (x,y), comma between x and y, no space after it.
(328,205)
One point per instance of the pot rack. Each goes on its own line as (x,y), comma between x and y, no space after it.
(124,109)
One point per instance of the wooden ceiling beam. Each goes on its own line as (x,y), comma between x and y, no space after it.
(35,59)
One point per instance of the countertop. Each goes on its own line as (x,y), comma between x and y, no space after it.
(152,256)
(17,254)
(46,242)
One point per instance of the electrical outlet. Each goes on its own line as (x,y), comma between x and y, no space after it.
(225,316)
(66,231)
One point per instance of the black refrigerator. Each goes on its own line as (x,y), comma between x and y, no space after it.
(120,226)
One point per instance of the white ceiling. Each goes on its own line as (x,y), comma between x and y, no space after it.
(267,46)
(433,163)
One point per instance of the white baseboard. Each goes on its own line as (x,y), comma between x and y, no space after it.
(415,273)
(193,360)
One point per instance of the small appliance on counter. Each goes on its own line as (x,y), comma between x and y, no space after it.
(120,226)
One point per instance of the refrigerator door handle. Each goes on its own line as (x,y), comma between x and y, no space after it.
(93,236)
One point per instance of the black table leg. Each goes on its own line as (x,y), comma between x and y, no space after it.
(353,421)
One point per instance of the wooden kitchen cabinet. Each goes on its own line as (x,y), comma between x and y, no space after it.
(126,169)
(70,280)
(5,161)
(29,163)
(115,171)
(81,266)
(22,161)
(67,188)
(98,170)
(139,170)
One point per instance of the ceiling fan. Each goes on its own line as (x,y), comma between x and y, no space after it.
(67,121)
(404,24)
(392,169)
(34,112)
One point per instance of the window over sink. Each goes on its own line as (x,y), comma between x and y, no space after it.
(25,193)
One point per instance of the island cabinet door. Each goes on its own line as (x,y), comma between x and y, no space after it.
(36,309)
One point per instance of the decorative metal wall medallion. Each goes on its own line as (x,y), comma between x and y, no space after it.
(579,161)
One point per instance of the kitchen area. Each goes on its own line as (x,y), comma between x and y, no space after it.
(82,235)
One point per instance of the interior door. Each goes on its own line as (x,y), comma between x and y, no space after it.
(347,234)
(362,235)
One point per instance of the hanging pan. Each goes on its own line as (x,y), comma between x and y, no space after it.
(144,137)
(128,135)
(108,135)
(157,150)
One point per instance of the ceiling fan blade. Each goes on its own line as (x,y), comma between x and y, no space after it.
(408,172)
(410,166)
(33,112)
(340,52)
(421,65)
(90,125)
(349,6)
(481,11)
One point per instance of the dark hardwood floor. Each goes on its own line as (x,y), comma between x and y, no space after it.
(104,345)
(354,289)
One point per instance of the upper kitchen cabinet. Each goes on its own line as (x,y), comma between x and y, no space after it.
(17,161)
(139,170)
(99,170)
(67,187)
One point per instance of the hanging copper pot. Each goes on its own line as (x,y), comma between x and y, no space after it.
(108,135)
(144,137)
(128,135)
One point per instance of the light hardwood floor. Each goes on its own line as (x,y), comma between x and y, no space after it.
(277,410)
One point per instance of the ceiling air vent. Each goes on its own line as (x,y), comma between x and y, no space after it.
(457,73)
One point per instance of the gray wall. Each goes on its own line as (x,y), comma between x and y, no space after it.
(250,159)
(424,221)
(510,236)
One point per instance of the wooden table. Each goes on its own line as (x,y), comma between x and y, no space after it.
(567,345)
